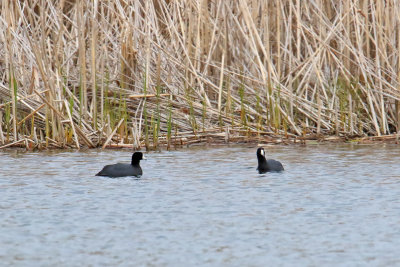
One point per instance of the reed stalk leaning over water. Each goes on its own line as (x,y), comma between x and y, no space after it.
(117,73)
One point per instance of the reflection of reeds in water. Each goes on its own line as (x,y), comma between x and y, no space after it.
(79,73)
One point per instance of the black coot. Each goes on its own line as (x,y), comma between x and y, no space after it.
(124,169)
(267,165)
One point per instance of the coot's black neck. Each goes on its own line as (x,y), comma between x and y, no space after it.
(136,159)
(135,162)
(261,159)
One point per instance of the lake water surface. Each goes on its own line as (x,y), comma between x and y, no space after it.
(334,205)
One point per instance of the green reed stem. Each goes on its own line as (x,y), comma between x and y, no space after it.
(169,126)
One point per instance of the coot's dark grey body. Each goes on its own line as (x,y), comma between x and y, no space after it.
(267,165)
(124,169)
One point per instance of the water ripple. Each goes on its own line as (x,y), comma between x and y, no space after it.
(333,205)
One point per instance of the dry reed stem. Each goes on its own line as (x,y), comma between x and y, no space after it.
(31,114)
(72,124)
(112,134)
(146,95)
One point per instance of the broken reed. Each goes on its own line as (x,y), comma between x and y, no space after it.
(75,71)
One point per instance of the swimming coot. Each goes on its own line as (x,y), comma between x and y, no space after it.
(123,169)
(267,165)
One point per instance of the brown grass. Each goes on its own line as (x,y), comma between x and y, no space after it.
(70,70)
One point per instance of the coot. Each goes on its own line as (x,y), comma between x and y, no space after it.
(124,169)
(267,165)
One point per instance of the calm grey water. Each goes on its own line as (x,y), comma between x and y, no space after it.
(334,205)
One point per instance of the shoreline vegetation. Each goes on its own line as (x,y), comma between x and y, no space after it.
(150,74)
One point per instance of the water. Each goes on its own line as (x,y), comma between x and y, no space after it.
(334,205)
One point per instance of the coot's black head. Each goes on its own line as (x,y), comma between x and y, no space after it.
(137,157)
(260,153)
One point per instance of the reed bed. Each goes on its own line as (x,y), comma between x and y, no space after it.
(153,73)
